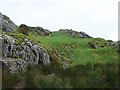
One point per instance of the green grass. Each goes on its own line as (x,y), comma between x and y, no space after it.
(62,43)
(90,68)
(83,52)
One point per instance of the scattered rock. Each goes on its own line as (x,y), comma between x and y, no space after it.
(100,43)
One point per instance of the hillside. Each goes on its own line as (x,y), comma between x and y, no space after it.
(78,51)
(34,57)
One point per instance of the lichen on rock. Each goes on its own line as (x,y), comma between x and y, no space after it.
(29,52)
(6,24)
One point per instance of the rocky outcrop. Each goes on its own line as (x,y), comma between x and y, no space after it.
(17,51)
(6,24)
(75,34)
(24,29)
(100,42)
(13,65)
(25,52)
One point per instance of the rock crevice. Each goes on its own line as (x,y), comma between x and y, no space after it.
(25,53)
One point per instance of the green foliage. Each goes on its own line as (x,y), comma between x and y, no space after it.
(9,80)
(79,76)
(19,37)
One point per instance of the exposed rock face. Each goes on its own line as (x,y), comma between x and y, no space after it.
(18,52)
(13,65)
(75,34)
(24,29)
(25,52)
(6,24)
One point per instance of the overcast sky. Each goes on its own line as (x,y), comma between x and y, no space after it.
(98,18)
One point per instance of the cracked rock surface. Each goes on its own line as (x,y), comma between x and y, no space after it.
(25,53)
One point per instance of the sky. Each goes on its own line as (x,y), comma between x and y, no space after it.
(97,18)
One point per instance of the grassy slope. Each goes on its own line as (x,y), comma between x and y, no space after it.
(83,52)
(78,76)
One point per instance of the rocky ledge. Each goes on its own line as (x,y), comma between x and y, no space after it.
(75,34)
